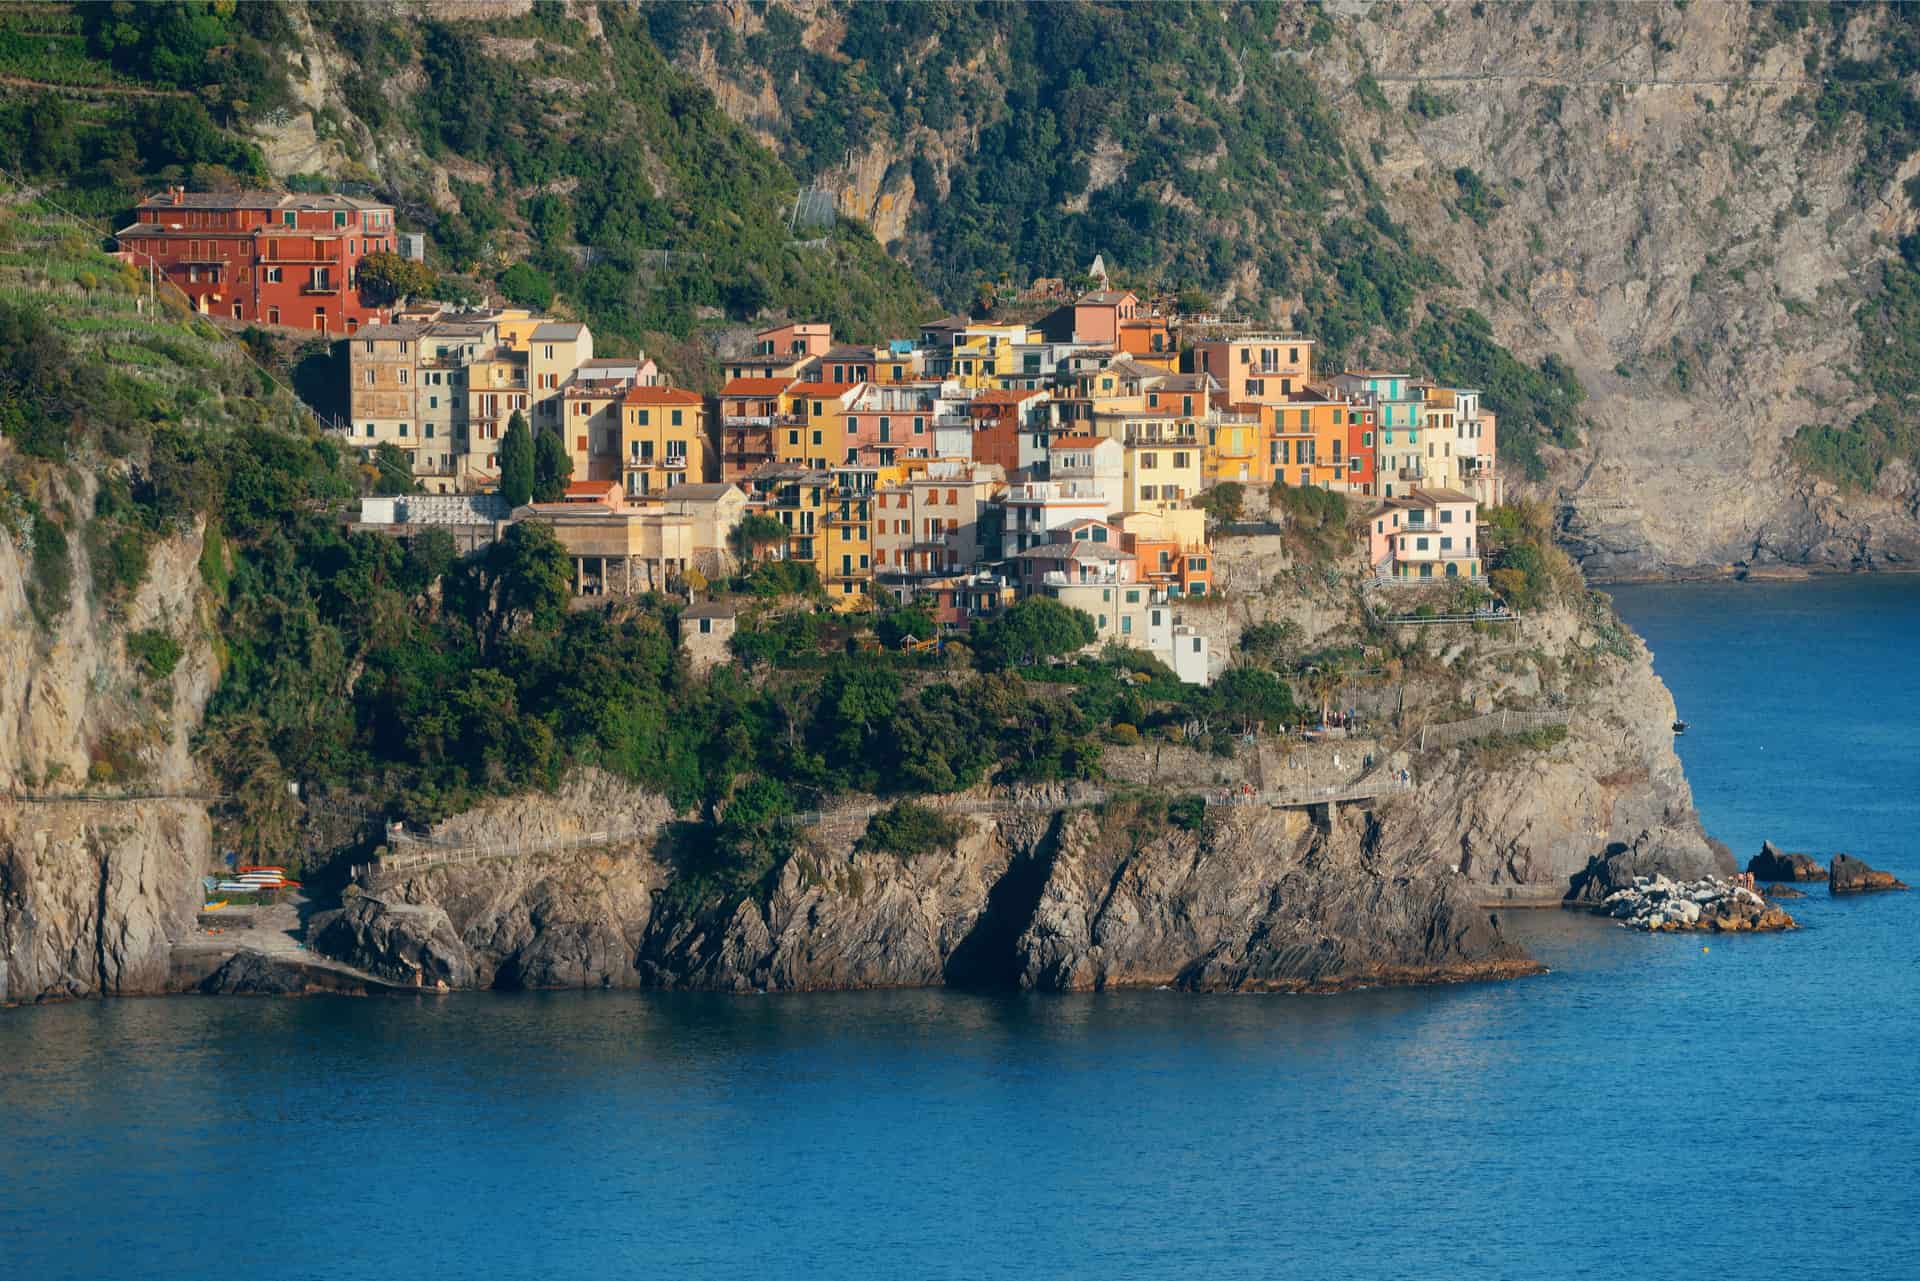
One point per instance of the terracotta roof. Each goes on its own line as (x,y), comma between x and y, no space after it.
(811,390)
(1105,298)
(1007,396)
(757,386)
(664,396)
(595,488)
(1074,442)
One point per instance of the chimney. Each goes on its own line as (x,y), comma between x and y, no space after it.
(179,195)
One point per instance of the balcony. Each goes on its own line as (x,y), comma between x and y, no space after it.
(1162,437)
(747,420)
(675,462)
(1411,473)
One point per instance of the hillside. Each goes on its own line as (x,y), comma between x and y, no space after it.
(1691,216)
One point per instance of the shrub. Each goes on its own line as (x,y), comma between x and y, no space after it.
(1188,813)
(156,651)
(909,830)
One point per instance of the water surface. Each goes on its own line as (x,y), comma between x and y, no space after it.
(1653,1107)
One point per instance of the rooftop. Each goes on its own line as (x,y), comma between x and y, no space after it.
(709,609)
(664,396)
(555,331)
(758,386)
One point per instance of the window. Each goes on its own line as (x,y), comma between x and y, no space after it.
(403,378)
(1126,624)
(1149,462)
(642,417)
(369,430)
(676,418)
(706,627)
(1366,439)
(816,438)
(1446,516)
(403,429)
(1446,544)
(1180,460)
(429,431)
(1420,544)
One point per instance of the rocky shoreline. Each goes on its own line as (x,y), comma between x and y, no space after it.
(1657,903)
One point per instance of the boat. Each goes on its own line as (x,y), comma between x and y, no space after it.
(213,907)
(1679,727)
(238,887)
(259,867)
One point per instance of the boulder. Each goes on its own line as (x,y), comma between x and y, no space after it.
(1850,876)
(1649,856)
(253,974)
(1783,891)
(406,943)
(1774,864)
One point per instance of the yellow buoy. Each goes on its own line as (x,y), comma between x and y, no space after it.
(1703,949)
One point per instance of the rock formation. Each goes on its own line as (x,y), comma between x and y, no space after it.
(1850,876)
(1774,864)
(1074,900)
(1656,903)
(94,892)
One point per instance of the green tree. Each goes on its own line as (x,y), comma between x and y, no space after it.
(1223,502)
(393,470)
(1033,630)
(552,467)
(516,461)
(386,277)
(533,575)
(527,285)
(896,625)
(755,532)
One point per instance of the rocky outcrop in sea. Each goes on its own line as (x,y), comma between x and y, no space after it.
(1774,864)
(1850,876)
(1658,903)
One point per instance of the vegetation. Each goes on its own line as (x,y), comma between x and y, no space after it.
(552,467)
(1316,520)
(1526,568)
(517,476)
(1536,406)
(386,277)
(909,830)
(1856,454)
(1223,501)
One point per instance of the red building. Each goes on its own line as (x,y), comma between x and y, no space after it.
(999,416)
(1362,453)
(266,257)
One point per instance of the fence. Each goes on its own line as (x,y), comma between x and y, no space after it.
(408,853)
(1433,736)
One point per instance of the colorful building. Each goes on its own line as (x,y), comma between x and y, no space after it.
(1425,534)
(751,411)
(263,257)
(1253,367)
(663,440)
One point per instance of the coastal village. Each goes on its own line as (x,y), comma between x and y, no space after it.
(959,468)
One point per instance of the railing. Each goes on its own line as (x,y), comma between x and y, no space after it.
(747,420)
(1434,736)
(408,853)
(675,462)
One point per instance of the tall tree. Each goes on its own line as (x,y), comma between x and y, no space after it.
(552,467)
(516,461)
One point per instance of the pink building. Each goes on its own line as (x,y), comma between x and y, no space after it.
(1429,533)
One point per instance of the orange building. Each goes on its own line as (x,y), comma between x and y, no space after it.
(1254,367)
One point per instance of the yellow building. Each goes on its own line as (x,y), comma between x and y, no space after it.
(814,429)
(663,440)
(1236,448)
(984,353)
(797,497)
(496,390)
(849,528)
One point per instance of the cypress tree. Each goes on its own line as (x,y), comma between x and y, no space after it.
(552,467)
(516,461)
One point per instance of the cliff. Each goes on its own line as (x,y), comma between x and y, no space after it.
(93,893)
(1071,900)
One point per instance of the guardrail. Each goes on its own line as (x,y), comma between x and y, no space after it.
(1434,736)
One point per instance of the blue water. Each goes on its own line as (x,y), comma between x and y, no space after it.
(1651,1108)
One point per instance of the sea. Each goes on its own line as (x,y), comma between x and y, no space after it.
(1677,1106)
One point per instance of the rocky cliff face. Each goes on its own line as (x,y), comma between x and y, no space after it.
(1067,901)
(1670,226)
(93,892)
